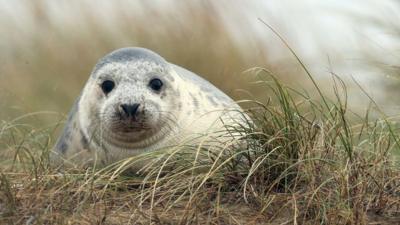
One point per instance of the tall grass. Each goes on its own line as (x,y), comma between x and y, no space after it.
(300,162)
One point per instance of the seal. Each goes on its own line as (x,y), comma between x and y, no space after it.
(135,101)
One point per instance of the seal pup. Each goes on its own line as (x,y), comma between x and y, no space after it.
(134,102)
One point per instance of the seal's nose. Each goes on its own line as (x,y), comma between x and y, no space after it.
(130,110)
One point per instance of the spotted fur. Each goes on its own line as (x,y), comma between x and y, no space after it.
(186,106)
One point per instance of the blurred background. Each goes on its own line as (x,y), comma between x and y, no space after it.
(48,48)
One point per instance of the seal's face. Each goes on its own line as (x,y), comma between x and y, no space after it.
(133,95)
(133,100)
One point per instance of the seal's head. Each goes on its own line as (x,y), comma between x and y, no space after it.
(130,100)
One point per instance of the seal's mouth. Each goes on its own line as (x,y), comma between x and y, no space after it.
(129,125)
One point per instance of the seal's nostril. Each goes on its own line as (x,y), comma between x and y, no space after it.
(130,110)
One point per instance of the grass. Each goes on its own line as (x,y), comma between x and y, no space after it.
(304,162)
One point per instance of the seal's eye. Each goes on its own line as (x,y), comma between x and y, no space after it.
(107,86)
(156,84)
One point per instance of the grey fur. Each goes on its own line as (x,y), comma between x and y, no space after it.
(65,138)
(84,140)
(211,99)
(129,54)
(205,86)
(195,101)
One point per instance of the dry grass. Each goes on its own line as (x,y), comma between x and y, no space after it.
(304,163)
